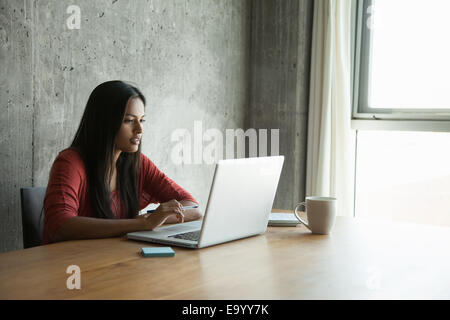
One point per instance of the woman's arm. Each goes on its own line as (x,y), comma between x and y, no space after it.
(94,228)
(78,227)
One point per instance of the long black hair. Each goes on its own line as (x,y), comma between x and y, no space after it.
(94,140)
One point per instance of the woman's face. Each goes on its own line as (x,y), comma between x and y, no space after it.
(130,133)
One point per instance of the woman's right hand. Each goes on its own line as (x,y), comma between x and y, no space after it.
(166,209)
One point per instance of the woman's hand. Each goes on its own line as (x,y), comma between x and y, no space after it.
(165,210)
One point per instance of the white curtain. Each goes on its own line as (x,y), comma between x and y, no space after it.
(331,142)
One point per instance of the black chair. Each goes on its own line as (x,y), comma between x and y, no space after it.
(32,201)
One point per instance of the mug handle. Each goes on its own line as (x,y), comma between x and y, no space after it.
(298,216)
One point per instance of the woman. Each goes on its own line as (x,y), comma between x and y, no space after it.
(98,185)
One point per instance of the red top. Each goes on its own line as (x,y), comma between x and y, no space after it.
(67,195)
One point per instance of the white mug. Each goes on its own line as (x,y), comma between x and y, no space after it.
(321,214)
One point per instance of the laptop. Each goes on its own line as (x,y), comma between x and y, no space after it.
(239,204)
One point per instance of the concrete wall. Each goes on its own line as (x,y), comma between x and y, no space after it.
(279,82)
(192,60)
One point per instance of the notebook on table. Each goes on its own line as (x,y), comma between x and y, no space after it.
(281,219)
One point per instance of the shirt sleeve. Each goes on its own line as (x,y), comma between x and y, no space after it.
(159,186)
(61,199)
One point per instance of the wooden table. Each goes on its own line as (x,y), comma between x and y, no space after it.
(361,259)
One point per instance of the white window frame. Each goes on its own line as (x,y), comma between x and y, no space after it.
(385,119)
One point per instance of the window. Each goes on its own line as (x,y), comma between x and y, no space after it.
(402,64)
(401,110)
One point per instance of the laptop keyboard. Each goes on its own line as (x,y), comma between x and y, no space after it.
(193,236)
